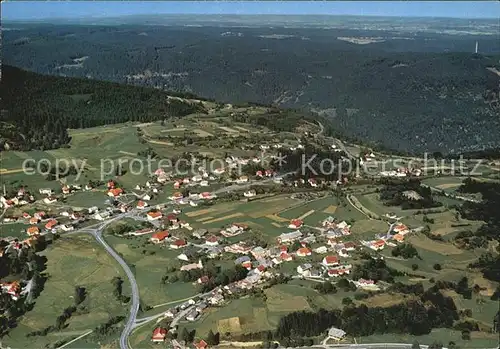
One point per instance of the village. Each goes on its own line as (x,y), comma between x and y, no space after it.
(324,252)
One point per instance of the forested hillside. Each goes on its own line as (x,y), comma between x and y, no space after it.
(38,109)
(408,91)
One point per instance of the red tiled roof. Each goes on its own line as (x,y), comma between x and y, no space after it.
(331,259)
(161,235)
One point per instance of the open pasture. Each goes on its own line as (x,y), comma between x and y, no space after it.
(149,271)
(72,261)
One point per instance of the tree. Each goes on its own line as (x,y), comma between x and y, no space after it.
(437,266)
(211,338)
(435,345)
(185,336)
(80,294)
(347,301)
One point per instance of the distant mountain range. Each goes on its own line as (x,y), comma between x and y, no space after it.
(407,89)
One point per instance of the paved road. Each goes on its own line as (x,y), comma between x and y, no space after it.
(134,309)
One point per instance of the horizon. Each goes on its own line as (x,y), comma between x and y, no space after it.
(76,10)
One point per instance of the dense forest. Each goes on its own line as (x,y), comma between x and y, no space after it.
(416,317)
(408,194)
(413,92)
(38,109)
(487,211)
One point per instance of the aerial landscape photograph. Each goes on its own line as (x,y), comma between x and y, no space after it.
(250,174)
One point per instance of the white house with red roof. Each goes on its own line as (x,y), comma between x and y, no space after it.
(179,243)
(141,205)
(304,252)
(312,182)
(159,335)
(329,261)
(212,240)
(295,224)
(160,236)
(377,245)
(154,215)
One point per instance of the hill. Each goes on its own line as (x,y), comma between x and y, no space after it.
(38,109)
(405,89)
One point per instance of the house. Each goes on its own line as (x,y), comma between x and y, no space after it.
(204,183)
(93,209)
(158,237)
(154,215)
(207,196)
(159,335)
(176,196)
(377,245)
(285,257)
(193,203)
(242,179)
(240,248)
(50,200)
(295,224)
(34,220)
(303,252)
(192,316)
(141,232)
(259,252)
(401,229)
(312,182)
(180,243)
(350,246)
(67,227)
(141,205)
(192,266)
(336,333)
(399,237)
(200,233)
(259,174)
(289,237)
(249,194)
(201,345)
(330,260)
(212,240)
(321,250)
(45,191)
(365,283)
(219,171)
(247,265)
(203,280)
(50,224)
(304,269)
(201,306)
(110,184)
(216,299)
(31,231)
(115,192)
(241,260)
(171,312)
(101,216)
(65,189)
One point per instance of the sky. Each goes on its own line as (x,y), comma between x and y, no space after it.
(39,10)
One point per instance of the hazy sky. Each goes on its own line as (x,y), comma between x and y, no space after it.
(15,10)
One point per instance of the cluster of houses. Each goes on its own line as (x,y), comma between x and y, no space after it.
(261,263)
(401,172)
(396,234)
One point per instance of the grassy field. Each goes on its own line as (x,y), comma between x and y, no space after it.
(149,271)
(478,340)
(94,146)
(72,261)
(448,184)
